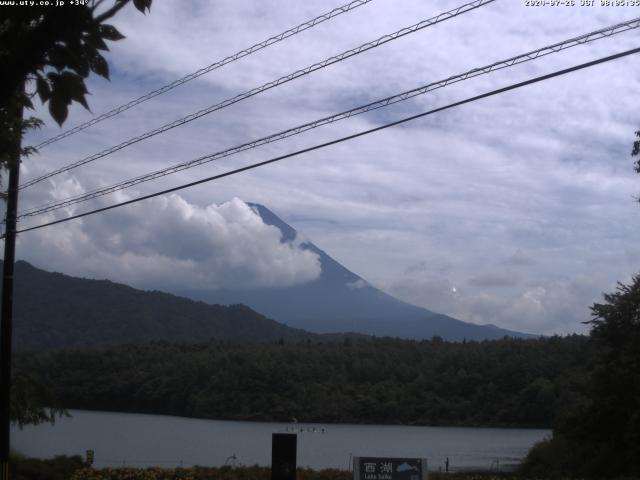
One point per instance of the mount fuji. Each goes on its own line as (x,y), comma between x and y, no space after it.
(341,301)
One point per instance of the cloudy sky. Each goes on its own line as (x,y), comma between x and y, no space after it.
(517,210)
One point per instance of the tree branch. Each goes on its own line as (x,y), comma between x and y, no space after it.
(95,4)
(112,11)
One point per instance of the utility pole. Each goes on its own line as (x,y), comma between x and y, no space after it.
(6,322)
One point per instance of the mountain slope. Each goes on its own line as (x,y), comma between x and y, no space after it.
(52,310)
(341,301)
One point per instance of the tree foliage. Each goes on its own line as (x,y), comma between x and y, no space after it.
(508,382)
(599,435)
(50,51)
(614,418)
(636,151)
(32,402)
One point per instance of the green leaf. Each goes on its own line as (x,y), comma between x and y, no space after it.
(69,56)
(109,32)
(57,57)
(142,5)
(79,97)
(58,109)
(99,65)
(43,88)
(82,65)
(95,41)
(72,83)
(73,88)
(66,88)
(31,123)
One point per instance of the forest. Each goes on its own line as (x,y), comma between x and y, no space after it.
(509,382)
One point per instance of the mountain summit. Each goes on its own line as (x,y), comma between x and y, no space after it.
(341,301)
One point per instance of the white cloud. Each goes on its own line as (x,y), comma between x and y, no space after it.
(557,306)
(170,243)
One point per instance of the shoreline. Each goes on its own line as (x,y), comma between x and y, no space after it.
(315,423)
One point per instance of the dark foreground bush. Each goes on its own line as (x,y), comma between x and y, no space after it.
(243,473)
(58,468)
(550,459)
(201,473)
(73,468)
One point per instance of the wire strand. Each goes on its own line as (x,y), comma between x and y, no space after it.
(529,56)
(214,66)
(342,139)
(267,86)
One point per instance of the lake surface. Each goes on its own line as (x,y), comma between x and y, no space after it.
(145,440)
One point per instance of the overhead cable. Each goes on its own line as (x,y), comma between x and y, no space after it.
(340,140)
(267,86)
(214,66)
(532,55)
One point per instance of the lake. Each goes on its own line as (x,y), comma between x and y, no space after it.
(145,440)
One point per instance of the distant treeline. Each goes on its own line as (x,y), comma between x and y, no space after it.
(507,382)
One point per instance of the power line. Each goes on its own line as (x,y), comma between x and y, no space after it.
(532,55)
(267,86)
(214,66)
(342,139)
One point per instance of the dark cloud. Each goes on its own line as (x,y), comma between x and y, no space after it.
(519,258)
(416,268)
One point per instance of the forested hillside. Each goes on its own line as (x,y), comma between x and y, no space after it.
(53,310)
(507,382)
